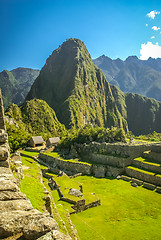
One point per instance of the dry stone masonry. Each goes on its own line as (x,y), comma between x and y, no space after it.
(18,218)
(119,160)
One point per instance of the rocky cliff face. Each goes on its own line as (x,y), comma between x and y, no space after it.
(16,84)
(76,89)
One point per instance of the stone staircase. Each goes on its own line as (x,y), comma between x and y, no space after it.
(145,170)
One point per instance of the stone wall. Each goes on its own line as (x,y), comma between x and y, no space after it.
(111,160)
(83,207)
(120,150)
(146,166)
(66,165)
(98,170)
(156,180)
(154,156)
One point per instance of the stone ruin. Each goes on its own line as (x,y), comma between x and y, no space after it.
(18,218)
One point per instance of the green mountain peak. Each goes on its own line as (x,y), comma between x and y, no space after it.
(76,89)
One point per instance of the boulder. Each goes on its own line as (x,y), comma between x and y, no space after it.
(4,164)
(3,136)
(4,154)
(9,195)
(75,192)
(8,185)
(32,224)
(56,235)
(19,204)
(133,184)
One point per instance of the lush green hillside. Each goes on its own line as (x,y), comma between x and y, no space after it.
(16,84)
(133,75)
(76,89)
(34,117)
(142,114)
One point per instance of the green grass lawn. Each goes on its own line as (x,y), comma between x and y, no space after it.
(125,212)
(30,184)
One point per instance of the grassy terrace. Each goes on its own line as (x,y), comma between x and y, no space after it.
(141,170)
(144,171)
(31,184)
(125,212)
(147,161)
(59,156)
(65,183)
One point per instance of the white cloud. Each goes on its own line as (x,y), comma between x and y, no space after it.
(152,37)
(155,28)
(152,14)
(146,25)
(150,50)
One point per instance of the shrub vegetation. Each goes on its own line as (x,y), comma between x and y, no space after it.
(88,134)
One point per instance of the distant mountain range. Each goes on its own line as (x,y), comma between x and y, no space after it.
(77,90)
(80,94)
(133,75)
(16,84)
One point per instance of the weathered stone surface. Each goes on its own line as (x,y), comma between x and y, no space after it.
(5,171)
(66,165)
(145,177)
(75,192)
(32,223)
(122,150)
(99,171)
(4,154)
(133,184)
(146,166)
(138,182)
(113,171)
(125,178)
(9,195)
(158,189)
(4,164)
(3,136)
(109,160)
(8,185)
(56,235)
(16,157)
(149,186)
(20,204)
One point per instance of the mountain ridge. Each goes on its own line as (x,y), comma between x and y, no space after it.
(133,75)
(16,83)
(80,94)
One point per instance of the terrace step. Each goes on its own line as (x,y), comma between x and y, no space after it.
(146,164)
(153,156)
(143,175)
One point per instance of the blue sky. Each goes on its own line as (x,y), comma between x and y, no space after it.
(31,29)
